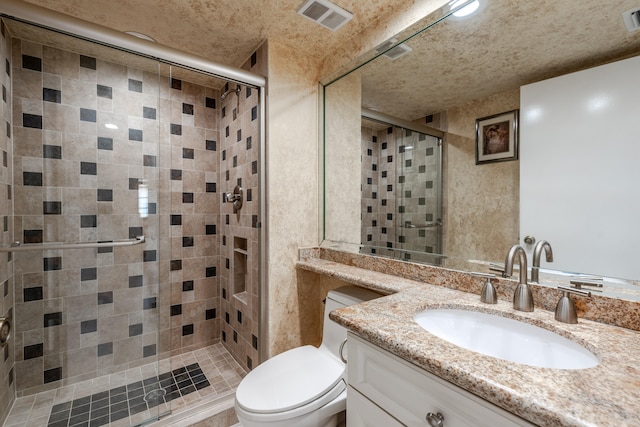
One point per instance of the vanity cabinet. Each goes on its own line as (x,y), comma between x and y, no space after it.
(385,390)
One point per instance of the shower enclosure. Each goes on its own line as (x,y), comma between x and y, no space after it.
(134,288)
(401,192)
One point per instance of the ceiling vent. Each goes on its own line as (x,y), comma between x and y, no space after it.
(393,53)
(632,19)
(325,13)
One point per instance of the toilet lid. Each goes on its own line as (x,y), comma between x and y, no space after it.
(289,380)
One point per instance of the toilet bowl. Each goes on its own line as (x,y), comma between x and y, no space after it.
(305,386)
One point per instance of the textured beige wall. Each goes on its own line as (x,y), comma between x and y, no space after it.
(482,217)
(292,183)
(343,163)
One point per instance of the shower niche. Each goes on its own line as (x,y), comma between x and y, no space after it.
(240,270)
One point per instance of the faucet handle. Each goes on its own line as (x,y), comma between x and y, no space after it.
(488,295)
(578,282)
(498,268)
(566,309)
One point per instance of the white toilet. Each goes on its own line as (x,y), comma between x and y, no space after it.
(305,386)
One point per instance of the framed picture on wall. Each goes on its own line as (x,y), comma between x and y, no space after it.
(497,138)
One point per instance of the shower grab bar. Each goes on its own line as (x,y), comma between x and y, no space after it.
(427,225)
(19,247)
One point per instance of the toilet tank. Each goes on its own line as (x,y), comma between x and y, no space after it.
(333,334)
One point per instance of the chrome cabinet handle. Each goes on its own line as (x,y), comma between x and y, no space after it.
(344,360)
(435,420)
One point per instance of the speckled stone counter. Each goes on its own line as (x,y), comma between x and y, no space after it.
(606,395)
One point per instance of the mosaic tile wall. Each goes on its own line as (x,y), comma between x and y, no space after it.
(7,377)
(240,145)
(77,318)
(400,194)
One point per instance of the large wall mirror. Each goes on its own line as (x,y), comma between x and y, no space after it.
(401,172)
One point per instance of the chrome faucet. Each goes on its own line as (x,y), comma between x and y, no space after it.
(522,297)
(541,245)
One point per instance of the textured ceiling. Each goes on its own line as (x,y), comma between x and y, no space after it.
(225,31)
(507,44)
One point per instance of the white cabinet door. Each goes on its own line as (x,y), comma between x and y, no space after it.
(361,412)
(409,393)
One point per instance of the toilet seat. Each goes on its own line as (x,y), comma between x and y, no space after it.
(304,378)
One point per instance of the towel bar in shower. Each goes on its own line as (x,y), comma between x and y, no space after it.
(19,247)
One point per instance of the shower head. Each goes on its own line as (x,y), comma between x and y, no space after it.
(228,91)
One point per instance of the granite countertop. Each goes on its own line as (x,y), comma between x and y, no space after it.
(606,395)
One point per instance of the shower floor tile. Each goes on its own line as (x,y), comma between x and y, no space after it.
(135,396)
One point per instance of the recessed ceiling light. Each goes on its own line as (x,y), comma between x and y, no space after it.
(325,13)
(111,126)
(466,10)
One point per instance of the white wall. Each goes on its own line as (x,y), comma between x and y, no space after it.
(579,173)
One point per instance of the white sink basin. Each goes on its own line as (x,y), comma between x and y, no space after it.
(506,339)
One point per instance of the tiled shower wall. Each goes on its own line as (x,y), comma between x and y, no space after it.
(240,145)
(81,314)
(400,190)
(7,378)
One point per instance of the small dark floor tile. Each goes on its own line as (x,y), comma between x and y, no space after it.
(99,422)
(118,399)
(82,401)
(153,382)
(99,412)
(135,394)
(203,384)
(173,395)
(187,390)
(134,386)
(77,410)
(61,407)
(137,409)
(182,377)
(117,391)
(96,404)
(119,415)
(122,406)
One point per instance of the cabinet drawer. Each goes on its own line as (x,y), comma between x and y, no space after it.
(361,412)
(408,393)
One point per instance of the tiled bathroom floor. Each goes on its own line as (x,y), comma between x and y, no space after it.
(136,395)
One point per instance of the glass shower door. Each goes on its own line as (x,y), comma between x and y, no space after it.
(85,159)
(419,199)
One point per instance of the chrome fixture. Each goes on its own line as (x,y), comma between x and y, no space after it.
(529,240)
(5,331)
(235,198)
(522,297)
(580,281)
(20,247)
(498,268)
(408,224)
(228,91)
(435,420)
(565,309)
(541,245)
(488,295)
